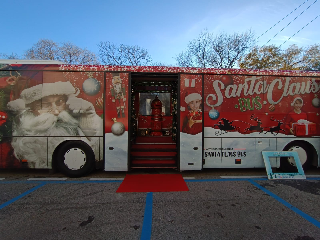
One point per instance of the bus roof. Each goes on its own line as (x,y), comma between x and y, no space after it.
(16,65)
(25,61)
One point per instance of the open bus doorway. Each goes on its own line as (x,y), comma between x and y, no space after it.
(153,125)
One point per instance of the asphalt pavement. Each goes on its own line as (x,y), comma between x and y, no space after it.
(220,204)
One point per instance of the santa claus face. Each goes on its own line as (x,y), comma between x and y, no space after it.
(54,104)
(194,105)
(297,105)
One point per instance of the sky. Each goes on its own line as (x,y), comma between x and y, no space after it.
(163,27)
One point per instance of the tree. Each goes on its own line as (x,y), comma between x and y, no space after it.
(44,49)
(68,53)
(312,58)
(220,51)
(9,56)
(266,57)
(198,53)
(72,54)
(273,57)
(111,54)
(292,58)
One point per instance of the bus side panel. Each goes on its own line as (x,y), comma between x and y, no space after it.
(116,122)
(12,83)
(47,107)
(237,152)
(83,109)
(191,122)
(250,112)
(234,111)
(299,127)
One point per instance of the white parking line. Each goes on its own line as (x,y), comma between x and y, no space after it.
(264,176)
(47,179)
(188,177)
(105,179)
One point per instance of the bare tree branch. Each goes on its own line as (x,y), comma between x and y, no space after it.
(72,54)
(68,53)
(44,49)
(112,54)
(220,51)
(9,56)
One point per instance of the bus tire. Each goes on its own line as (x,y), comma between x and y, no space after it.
(287,164)
(75,159)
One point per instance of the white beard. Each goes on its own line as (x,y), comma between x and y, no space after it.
(35,149)
(46,124)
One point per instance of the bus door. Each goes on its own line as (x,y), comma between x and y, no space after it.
(153,121)
(116,121)
(191,126)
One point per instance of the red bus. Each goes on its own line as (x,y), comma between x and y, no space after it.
(76,118)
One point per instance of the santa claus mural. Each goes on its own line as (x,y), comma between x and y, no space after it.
(50,109)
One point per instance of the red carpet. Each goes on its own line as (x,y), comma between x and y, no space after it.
(153,183)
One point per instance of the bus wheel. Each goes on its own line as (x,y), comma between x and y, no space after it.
(75,159)
(288,164)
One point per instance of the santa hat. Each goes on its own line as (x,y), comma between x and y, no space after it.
(295,98)
(39,91)
(192,97)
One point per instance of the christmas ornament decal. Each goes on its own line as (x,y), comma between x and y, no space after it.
(117,128)
(91,86)
(316,101)
(214,114)
(272,108)
(227,80)
(99,102)
(3,117)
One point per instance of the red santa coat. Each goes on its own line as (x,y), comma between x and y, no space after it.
(293,117)
(196,127)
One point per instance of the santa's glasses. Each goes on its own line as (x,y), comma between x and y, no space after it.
(50,105)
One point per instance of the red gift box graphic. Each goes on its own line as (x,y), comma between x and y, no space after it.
(304,128)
